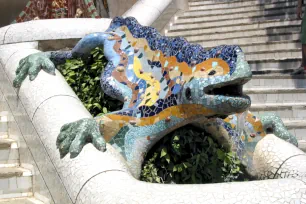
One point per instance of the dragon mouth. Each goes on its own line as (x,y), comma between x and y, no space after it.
(230,96)
(228,90)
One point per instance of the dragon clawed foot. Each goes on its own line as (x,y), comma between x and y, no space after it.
(31,65)
(74,136)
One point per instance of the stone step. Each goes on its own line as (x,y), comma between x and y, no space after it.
(243,5)
(27,200)
(276,66)
(9,152)
(8,143)
(6,116)
(270,46)
(229,40)
(275,55)
(302,145)
(200,11)
(261,43)
(297,128)
(230,26)
(276,81)
(270,31)
(7,122)
(233,22)
(267,14)
(287,111)
(15,182)
(230,3)
(3,127)
(276,95)
(4,119)
(3,135)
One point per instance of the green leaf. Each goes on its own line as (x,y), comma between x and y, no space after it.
(211,142)
(98,106)
(176,138)
(220,154)
(163,152)
(104,110)
(167,157)
(157,179)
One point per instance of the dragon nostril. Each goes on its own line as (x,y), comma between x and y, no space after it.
(188,93)
(213,72)
(269,130)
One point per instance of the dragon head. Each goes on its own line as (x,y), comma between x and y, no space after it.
(217,84)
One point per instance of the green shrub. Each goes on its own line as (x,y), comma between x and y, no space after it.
(185,156)
(189,156)
(84,79)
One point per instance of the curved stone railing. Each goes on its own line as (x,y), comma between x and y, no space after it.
(51,30)
(147,11)
(96,177)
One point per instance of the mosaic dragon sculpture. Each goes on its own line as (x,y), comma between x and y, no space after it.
(165,83)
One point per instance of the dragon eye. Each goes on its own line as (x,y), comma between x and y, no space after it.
(188,93)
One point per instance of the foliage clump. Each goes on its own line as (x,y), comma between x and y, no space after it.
(186,156)
(84,79)
(189,156)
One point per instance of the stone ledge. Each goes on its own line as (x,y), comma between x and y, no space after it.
(274,90)
(267,5)
(251,15)
(226,2)
(258,24)
(302,145)
(290,124)
(294,26)
(280,76)
(276,106)
(53,29)
(242,38)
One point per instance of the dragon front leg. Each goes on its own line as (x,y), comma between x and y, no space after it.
(132,137)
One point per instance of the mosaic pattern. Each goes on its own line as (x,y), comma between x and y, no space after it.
(241,133)
(52,9)
(165,83)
